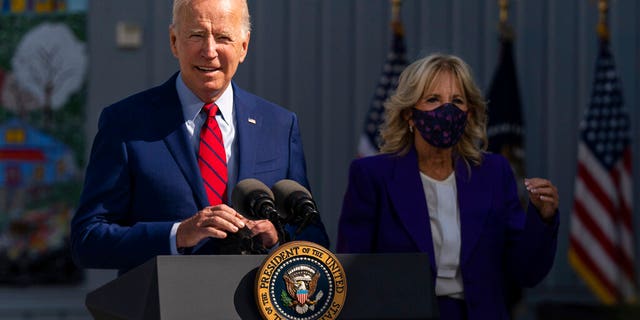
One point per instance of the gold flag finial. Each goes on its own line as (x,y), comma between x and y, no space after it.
(395,16)
(505,29)
(395,9)
(603,29)
(504,11)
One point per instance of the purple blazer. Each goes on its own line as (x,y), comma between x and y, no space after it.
(385,210)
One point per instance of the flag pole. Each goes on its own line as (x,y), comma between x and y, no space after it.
(602,28)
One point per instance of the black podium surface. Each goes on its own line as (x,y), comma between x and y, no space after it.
(379,286)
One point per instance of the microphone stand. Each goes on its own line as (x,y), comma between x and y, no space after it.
(305,222)
(250,246)
(246,242)
(283,236)
(256,204)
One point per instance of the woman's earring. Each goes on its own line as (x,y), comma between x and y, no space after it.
(411,128)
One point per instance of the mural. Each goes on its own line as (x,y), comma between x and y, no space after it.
(43,66)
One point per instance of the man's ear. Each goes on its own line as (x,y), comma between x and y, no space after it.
(172,40)
(245,47)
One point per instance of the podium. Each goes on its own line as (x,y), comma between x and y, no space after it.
(379,286)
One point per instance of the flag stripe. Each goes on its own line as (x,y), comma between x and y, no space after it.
(596,259)
(602,215)
(603,271)
(590,277)
(603,220)
(596,211)
(603,239)
(623,175)
(593,186)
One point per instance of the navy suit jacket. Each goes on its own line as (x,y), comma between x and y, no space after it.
(143,175)
(385,210)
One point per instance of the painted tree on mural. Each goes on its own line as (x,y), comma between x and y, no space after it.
(15,98)
(49,63)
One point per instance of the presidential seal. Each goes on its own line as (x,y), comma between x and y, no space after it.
(300,280)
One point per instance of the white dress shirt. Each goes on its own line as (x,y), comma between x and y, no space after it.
(444,218)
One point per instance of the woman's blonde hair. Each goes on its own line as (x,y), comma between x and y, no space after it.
(414,81)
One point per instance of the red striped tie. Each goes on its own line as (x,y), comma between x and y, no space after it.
(212,158)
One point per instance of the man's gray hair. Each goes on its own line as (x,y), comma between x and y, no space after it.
(179,5)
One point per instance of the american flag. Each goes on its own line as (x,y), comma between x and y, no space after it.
(601,230)
(396,62)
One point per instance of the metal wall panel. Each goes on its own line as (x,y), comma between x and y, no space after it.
(322,59)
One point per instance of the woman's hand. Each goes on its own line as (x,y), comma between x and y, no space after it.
(544,196)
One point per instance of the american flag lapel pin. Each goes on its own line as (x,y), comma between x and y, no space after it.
(252,120)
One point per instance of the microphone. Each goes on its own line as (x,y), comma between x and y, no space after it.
(253,199)
(294,203)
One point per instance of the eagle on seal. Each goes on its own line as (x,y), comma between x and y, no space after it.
(301,289)
(301,282)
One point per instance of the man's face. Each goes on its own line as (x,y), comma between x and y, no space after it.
(209,42)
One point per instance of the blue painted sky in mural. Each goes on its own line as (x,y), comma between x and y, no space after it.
(77,5)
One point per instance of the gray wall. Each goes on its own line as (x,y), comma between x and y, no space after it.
(322,58)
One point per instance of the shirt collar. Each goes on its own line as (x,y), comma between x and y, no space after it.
(191,104)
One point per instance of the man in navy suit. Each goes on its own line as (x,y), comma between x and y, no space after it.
(144,194)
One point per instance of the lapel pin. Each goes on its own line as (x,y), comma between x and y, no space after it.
(252,120)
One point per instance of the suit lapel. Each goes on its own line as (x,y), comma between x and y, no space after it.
(408,199)
(177,140)
(249,125)
(473,198)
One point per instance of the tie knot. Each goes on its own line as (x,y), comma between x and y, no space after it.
(211,109)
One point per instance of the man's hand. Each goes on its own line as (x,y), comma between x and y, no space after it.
(263,230)
(215,222)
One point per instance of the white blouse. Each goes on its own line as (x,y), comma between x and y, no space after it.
(444,217)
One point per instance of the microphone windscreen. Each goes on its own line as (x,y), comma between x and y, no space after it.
(283,190)
(243,194)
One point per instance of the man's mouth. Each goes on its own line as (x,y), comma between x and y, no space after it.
(207,69)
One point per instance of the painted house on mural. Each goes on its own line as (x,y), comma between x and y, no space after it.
(38,6)
(29,157)
(32,162)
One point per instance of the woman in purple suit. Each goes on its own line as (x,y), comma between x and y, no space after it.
(434,189)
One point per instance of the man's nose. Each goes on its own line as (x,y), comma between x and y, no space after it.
(209,48)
